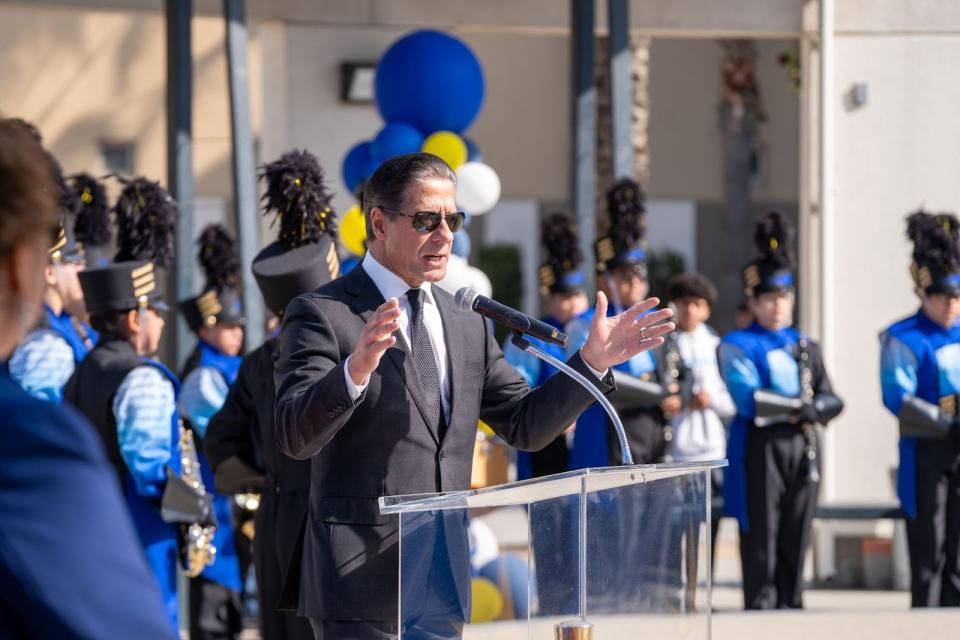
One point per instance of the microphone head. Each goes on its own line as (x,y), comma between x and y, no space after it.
(465,297)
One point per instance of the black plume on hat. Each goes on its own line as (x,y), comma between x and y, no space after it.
(92,225)
(218,258)
(559,235)
(774,239)
(304,256)
(559,272)
(936,251)
(624,246)
(297,196)
(773,269)
(146,222)
(935,239)
(627,213)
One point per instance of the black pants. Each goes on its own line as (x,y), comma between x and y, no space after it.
(781,501)
(279,513)
(644,431)
(933,536)
(215,610)
(553,458)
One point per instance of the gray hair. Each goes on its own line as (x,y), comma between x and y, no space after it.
(388,184)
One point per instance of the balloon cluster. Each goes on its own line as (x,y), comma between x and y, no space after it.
(499,580)
(428,89)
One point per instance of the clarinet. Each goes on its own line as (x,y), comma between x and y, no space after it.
(806,394)
(676,376)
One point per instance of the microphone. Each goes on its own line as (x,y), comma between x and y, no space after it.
(467,299)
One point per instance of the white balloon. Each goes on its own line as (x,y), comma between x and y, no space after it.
(478,188)
(483,543)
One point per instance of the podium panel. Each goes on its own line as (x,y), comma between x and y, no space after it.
(619,552)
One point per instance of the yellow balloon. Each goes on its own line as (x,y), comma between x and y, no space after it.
(485,428)
(487,601)
(448,146)
(353,230)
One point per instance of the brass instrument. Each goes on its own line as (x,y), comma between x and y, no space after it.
(198,550)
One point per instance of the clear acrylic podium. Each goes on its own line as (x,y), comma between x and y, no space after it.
(616,552)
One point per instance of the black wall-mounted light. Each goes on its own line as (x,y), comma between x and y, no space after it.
(356,82)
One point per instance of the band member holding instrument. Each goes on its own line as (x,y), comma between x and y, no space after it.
(129,397)
(780,386)
(562,287)
(216,316)
(920,379)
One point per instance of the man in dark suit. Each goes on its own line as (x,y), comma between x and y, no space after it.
(406,423)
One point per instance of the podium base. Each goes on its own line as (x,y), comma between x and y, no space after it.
(573,630)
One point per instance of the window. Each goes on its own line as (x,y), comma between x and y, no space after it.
(117,157)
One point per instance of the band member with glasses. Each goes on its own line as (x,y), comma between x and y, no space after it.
(381,380)
(43,362)
(780,386)
(920,380)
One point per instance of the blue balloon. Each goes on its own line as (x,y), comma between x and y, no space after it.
(358,165)
(429,80)
(511,574)
(467,219)
(396,139)
(473,151)
(461,244)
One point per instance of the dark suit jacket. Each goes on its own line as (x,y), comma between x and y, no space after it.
(381,444)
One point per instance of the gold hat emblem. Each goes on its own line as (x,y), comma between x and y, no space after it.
(143,281)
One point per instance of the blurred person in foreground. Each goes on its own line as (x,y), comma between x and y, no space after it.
(920,380)
(70,564)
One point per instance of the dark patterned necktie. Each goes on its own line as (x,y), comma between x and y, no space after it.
(425,361)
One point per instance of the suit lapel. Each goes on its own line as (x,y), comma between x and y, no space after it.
(455,349)
(368,298)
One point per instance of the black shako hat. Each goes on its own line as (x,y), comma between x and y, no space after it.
(935,267)
(624,246)
(773,269)
(146,218)
(304,255)
(560,273)
(220,301)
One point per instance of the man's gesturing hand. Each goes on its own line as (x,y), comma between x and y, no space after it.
(376,338)
(617,339)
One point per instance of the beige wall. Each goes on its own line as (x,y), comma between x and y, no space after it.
(894,154)
(84,77)
(685,135)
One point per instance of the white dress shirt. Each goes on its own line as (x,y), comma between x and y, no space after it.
(700,435)
(392,286)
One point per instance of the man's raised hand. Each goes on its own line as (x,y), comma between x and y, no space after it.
(376,338)
(618,338)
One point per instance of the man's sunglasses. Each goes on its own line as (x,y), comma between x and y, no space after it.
(428,221)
